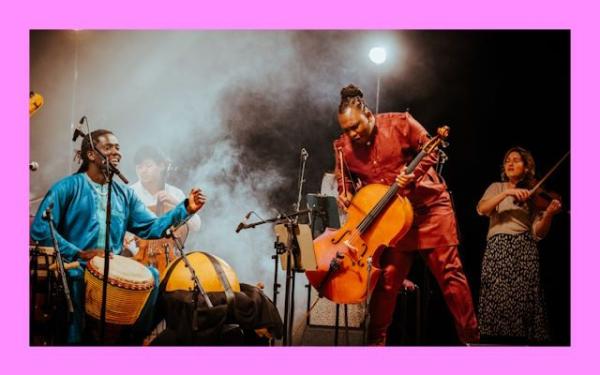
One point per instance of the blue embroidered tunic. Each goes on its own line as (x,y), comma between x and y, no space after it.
(75,213)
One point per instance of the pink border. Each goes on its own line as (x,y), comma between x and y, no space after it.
(580,19)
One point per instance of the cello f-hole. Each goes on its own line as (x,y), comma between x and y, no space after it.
(365,248)
(336,241)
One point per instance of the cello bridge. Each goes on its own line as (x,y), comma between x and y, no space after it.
(352,251)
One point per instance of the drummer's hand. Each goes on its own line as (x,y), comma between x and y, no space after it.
(403,179)
(165,197)
(343,201)
(89,254)
(195,201)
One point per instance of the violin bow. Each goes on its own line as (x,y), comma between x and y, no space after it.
(549,173)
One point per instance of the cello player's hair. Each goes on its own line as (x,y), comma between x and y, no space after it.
(352,96)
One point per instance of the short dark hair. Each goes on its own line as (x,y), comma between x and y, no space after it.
(148,152)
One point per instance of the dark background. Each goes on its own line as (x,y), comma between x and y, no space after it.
(232,109)
(496,89)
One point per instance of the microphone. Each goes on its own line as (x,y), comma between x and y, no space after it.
(47,214)
(77,133)
(242,224)
(33,166)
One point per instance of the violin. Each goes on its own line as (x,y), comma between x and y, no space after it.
(539,197)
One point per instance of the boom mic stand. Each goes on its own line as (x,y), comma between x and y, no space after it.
(292,250)
(198,289)
(290,278)
(47,215)
(109,175)
(109,171)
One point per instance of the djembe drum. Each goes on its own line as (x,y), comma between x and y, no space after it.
(129,286)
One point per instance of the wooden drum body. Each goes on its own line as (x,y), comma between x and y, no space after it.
(129,286)
(350,247)
(178,276)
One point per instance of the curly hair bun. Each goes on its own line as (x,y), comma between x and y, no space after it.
(351,91)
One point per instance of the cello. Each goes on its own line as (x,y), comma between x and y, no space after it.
(378,217)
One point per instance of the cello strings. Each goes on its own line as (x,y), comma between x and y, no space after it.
(382,203)
(375,211)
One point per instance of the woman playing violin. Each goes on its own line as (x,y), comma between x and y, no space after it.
(376,149)
(511,304)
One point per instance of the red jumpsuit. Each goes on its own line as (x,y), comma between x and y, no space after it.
(394,142)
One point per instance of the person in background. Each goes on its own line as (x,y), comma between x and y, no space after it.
(152,169)
(511,302)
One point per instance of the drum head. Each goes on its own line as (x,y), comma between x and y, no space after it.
(122,270)
(179,276)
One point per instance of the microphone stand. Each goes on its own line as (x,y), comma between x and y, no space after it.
(301,180)
(292,251)
(109,172)
(47,215)
(281,218)
(291,223)
(198,289)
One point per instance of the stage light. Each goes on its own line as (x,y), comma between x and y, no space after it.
(377,55)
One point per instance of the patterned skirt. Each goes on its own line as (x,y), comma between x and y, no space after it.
(511,301)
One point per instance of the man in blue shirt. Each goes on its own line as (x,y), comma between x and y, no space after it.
(79,213)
